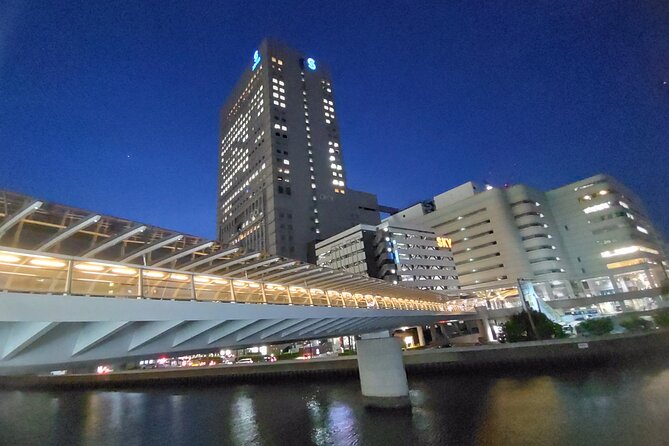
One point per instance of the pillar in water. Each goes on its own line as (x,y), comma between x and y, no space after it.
(383,379)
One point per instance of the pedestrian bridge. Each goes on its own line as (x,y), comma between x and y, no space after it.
(56,311)
(82,287)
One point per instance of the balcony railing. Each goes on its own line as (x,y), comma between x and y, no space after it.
(29,272)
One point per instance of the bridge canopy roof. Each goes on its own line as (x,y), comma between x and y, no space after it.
(37,225)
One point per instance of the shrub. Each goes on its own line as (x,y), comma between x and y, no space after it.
(596,327)
(348,353)
(662,317)
(518,328)
(282,356)
(636,324)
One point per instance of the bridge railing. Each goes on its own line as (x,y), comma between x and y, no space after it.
(29,272)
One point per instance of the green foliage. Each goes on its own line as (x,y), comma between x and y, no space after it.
(661,318)
(664,287)
(348,353)
(636,324)
(597,327)
(282,356)
(518,328)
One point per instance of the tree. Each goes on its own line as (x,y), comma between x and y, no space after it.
(661,318)
(597,327)
(518,328)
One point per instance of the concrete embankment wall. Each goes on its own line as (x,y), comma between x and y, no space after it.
(555,353)
(566,353)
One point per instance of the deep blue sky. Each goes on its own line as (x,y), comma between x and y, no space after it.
(113,106)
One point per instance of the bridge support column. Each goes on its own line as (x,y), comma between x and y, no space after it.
(383,380)
(484,324)
(421,335)
(434,334)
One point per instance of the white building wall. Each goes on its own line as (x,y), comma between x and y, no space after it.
(608,235)
(589,237)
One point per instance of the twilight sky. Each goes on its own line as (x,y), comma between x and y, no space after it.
(113,106)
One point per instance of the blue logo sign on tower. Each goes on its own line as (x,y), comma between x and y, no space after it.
(311,63)
(256,60)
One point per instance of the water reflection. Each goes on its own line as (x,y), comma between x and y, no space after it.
(244,427)
(613,406)
(531,410)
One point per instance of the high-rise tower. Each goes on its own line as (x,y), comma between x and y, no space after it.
(282,183)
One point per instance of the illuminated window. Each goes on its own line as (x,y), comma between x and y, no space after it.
(627,250)
(624,263)
(597,207)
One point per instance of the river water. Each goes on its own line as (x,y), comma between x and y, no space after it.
(624,405)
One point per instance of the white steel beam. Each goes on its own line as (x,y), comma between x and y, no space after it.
(208,258)
(280,327)
(306,273)
(68,231)
(256,328)
(232,262)
(23,334)
(252,266)
(283,273)
(229,328)
(305,280)
(192,330)
(93,333)
(150,331)
(321,324)
(19,215)
(347,323)
(264,271)
(152,247)
(115,240)
(301,326)
(183,253)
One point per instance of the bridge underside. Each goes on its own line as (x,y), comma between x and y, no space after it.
(47,332)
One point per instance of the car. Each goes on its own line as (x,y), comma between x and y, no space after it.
(270,358)
(104,370)
(245,361)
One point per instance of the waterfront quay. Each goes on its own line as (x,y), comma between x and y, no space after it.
(567,353)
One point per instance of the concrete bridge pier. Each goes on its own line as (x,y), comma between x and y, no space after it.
(383,380)
(483,323)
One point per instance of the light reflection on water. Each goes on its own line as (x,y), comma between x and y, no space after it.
(611,406)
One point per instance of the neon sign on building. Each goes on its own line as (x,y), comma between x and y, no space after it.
(443,242)
(256,60)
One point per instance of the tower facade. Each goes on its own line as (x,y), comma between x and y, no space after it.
(282,183)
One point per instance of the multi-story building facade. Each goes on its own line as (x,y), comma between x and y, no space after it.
(497,237)
(352,250)
(608,236)
(591,237)
(404,254)
(282,183)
